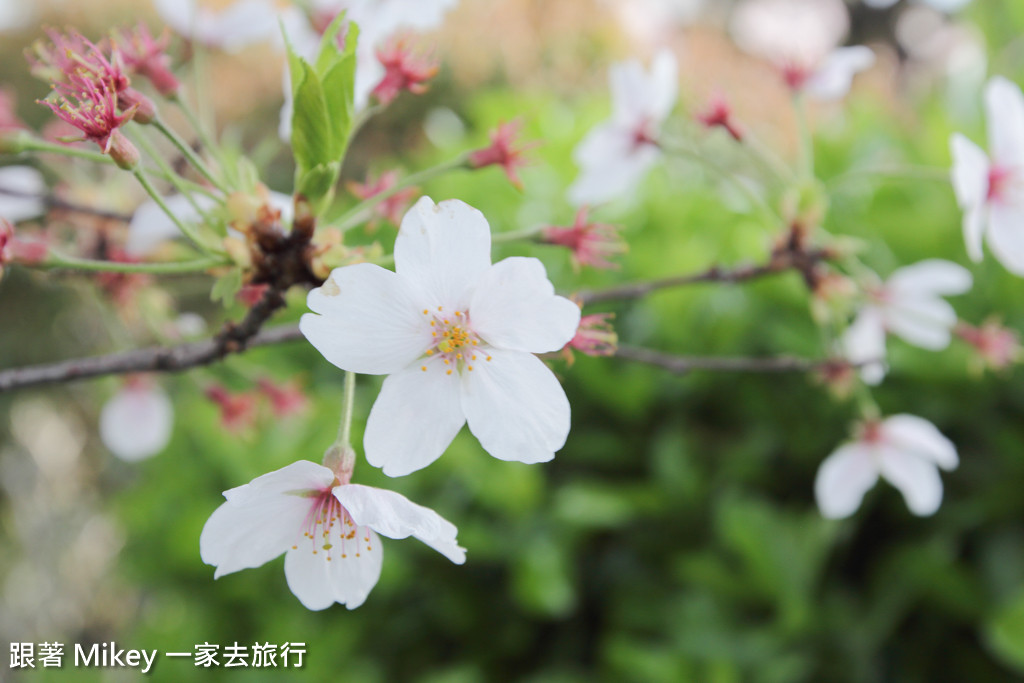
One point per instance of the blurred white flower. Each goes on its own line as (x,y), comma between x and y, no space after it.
(137,422)
(907,451)
(615,155)
(456,334)
(990,188)
(327,529)
(948,6)
(242,23)
(910,305)
(21,193)
(150,226)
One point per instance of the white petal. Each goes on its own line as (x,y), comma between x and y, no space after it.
(151,226)
(640,98)
(308,577)
(864,344)
(833,78)
(262,519)
(843,479)
(371,320)
(27,189)
(243,23)
(516,407)
(395,516)
(180,15)
(970,184)
(415,417)
(611,164)
(664,84)
(443,249)
(915,477)
(929,277)
(921,321)
(353,573)
(1004,106)
(915,435)
(1006,235)
(137,422)
(515,307)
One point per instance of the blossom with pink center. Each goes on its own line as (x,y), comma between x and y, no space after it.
(137,422)
(595,336)
(240,24)
(390,209)
(403,70)
(802,38)
(907,451)
(326,527)
(457,337)
(990,188)
(503,151)
(592,244)
(147,56)
(910,305)
(997,346)
(22,193)
(615,155)
(237,410)
(718,114)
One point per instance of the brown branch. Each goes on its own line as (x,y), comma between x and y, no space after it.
(153,359)
(683,364)
(791,254)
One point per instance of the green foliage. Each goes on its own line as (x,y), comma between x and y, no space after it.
(322,117)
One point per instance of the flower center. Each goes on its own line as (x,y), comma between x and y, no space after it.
(453,341)
(330,528)
(1000,179)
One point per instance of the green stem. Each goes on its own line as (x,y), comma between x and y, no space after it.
(56,260)
(347,403)
(908,173)
(806,138)
(515,235)
(355,215)
(191,156)
(27,143)
(186,229)
(767,158)
(193,121)
(184,186)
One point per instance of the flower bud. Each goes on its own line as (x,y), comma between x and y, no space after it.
(122,151)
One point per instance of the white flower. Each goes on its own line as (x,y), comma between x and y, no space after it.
(949,6)
(832,77)
(137,422)
(906,450)
(615,155)
(242,23)
(457,337)
(326,528)
(151,226)
(910,305)
(21,193)
(990,189)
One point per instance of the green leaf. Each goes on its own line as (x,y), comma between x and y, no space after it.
(226,287)
(317,184)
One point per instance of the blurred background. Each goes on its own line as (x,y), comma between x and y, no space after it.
(675,537)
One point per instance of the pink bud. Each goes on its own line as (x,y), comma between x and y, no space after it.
(591,243)
(287,399)
(595,336)
(719,113)
(403,70)
(237,411)
(503,152)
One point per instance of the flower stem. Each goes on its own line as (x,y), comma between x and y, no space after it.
(347,404)
(909,173)
(197,126)
(186,230)
(356,214)
(515,235)
(191,156)
(806,138)
(28,143)
(55,260)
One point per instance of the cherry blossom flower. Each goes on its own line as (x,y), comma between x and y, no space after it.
(592,244)
(595,337)
(457,336)
(148,57)
(93,109)
(503,151)
(907,451)
(801,37)
(390,209)
(242,23)
(910,305)
(137,422)
(237,410)
(990,188)
(22,191)
(615,156)
(327,528)
(996,345)
(719,114)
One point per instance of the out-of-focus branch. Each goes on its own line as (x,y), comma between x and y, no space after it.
(685,364)
(153,359)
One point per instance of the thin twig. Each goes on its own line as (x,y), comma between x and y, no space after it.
(685,364)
